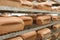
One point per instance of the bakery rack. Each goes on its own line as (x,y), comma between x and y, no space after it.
(24,10)
(21,10)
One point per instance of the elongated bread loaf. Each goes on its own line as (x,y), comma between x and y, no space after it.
(27,20)
(56,27)
(29,36)
(43,33)
(10,24)
(10,3)
(42,20)
(55,18)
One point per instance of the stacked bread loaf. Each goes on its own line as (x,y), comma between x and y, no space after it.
(56,27)
(55,18)
(43,33)
(29,36)
(9,3)
(42,20)
(55,36)
(10,24)
(27,20)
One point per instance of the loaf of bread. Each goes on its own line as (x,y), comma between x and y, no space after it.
(10,3)
(27,20)
(55,18)
(56,27)
(29,36)
(55,36)
(26,4)
(43,33)
(53,8)
(10,24)
(42,20)
(44,6)
(16,38)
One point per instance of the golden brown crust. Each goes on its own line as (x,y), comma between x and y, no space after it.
(56,26)
(10,3)
(42,20)
(55,18)
(27,20)
(10,24)
(44,31)
(29,34)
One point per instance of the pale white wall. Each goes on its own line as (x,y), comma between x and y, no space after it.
(19,14)
(27,14)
